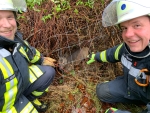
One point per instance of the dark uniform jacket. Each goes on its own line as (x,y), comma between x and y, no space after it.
(132,63)
(16,74)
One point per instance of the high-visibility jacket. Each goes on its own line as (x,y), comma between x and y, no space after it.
(132,64)
(16,72)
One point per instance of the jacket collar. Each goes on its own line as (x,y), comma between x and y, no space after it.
(145,53)
(4,42)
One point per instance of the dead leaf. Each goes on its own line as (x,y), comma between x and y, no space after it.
(71,97)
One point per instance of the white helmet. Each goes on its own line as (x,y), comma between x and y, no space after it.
(13,5)
(119,11)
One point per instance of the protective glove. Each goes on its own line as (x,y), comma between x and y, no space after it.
(49,61)
(91,58)
(114,110)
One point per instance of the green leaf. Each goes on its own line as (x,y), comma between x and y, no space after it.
(76,11)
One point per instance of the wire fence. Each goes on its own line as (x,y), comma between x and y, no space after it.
(69,37)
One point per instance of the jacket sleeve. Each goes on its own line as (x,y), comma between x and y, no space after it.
(111,55)
(34,55)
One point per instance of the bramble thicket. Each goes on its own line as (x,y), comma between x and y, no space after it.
(61,29)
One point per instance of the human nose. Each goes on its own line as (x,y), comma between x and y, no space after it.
(128,33)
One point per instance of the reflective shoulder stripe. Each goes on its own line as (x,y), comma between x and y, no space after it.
(26,42)
(103,56)
(4,71)
(9,66)
(117,51)
(37,55)
(132,71)
(15,49)
(29,108)
(23,52)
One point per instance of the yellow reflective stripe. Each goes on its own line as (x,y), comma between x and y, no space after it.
(4,71)
(46,90)
(36,93)
(36,57)
(34,111)
(28,108)
(117,51)
(10,72)
(32,76)
(9,66)
(26,42)
(11,86)
(12,110)
(103,56)
(24,53)
(36,70)
(10,95)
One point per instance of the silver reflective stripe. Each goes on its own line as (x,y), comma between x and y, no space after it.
(15,49)
(132,71)
(9,111)
(125,62)
(135,72)
(4,52)
(9,94)
(8,71)
(103,56)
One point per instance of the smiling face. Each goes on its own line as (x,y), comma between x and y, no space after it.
(8,24)
(136,33)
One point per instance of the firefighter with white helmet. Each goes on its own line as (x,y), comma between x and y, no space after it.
(133,18)
(25,74)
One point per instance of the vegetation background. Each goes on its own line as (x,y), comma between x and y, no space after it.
(60,27)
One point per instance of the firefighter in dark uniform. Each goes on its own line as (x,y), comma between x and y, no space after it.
(133,18)
(25,74)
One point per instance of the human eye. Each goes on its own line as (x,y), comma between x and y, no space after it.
(123,28)
(137,26)
(11,17)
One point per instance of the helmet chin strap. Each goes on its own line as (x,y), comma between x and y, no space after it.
(138,56)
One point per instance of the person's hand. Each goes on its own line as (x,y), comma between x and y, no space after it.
(111,110)
(114,110)
(49,61)
(91,58)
